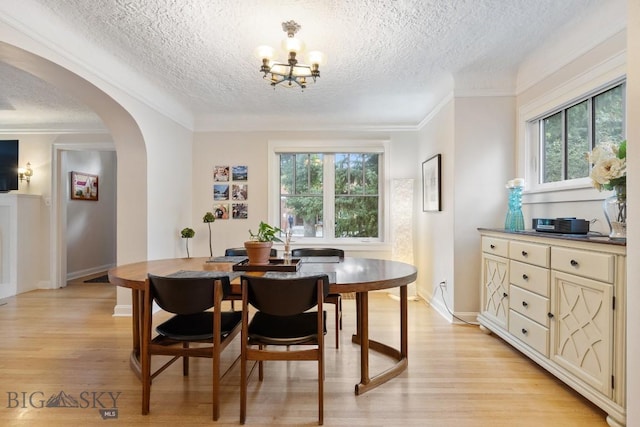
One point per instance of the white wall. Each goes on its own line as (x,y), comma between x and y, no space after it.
(475,136)
(484,162)
(434,230)
(633,231)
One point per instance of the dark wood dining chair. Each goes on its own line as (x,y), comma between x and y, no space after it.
(243,252)
(282,318)
(335,299)
(190,300)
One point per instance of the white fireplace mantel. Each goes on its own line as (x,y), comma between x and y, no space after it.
(19,248)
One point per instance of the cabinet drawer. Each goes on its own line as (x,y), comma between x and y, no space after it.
(529,277)
(592,265)
(492,245)
(529,332)
(531,253)
(529,304)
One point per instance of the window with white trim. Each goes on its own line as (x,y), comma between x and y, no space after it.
(330,194)
(567,134)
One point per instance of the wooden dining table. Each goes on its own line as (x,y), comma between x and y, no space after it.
(346,275)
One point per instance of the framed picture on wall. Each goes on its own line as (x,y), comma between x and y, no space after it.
(221,192)
(84,186)
(239,211)
(221,173)
(431,184)
(239,173)
(239,192)
(221,211)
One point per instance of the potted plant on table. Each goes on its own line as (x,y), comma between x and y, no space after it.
(259,244)
(208,219)
(187,233)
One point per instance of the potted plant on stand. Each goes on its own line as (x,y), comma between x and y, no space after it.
(259,244)
(187,233)
(208,219)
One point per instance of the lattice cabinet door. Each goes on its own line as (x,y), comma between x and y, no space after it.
(582,329)
(495,288)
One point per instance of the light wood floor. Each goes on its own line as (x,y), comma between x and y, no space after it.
(67,340)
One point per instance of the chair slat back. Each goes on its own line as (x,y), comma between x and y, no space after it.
(186,295)
(311,252)
(284,297)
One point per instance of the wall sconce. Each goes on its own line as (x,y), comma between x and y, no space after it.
(25,173)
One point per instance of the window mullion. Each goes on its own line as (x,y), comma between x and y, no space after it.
(328,197)
(591,134)
(565,145)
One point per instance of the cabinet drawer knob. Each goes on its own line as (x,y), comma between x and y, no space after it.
(525,277)
(492,246)
(574,263)
(504,295)
(550,315)
(524,304)
(524,253)
(524,331)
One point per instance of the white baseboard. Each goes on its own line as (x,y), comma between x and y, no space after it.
(122,310)
(88,271)
(44,284)
(439,307)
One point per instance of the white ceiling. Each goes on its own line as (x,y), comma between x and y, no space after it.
(389,62)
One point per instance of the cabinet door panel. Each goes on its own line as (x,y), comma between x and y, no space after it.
(582,329)
(495,288)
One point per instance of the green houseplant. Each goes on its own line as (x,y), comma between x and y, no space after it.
(259,244)
(187,233)
(208,218)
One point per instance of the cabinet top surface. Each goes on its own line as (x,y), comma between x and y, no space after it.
(588,238)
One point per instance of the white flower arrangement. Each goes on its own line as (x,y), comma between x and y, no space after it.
(609,166)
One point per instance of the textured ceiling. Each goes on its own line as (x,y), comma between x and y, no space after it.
(388,62)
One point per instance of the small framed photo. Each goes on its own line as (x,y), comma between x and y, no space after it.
(239,211)
(221,173)
(239,192)
(220,191)
(239,173)
(221,211)
(84,186)
(431,184)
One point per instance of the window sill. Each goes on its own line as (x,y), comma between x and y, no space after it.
(563,195)
(360,246)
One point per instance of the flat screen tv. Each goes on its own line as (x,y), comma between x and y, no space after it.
(8,165)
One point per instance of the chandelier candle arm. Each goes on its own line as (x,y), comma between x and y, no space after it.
(290,72)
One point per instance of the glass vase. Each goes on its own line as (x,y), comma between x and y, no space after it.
(514,220)
(615,211)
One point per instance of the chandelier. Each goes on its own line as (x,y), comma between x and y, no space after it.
(290,72)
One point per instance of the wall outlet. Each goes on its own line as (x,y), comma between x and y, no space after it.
(443,283)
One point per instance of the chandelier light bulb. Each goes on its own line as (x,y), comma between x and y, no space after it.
(292,44)
(264,52)
(316,58)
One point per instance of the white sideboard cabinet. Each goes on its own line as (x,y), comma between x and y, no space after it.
(560,301)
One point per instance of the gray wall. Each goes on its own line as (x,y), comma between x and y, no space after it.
(91,225)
